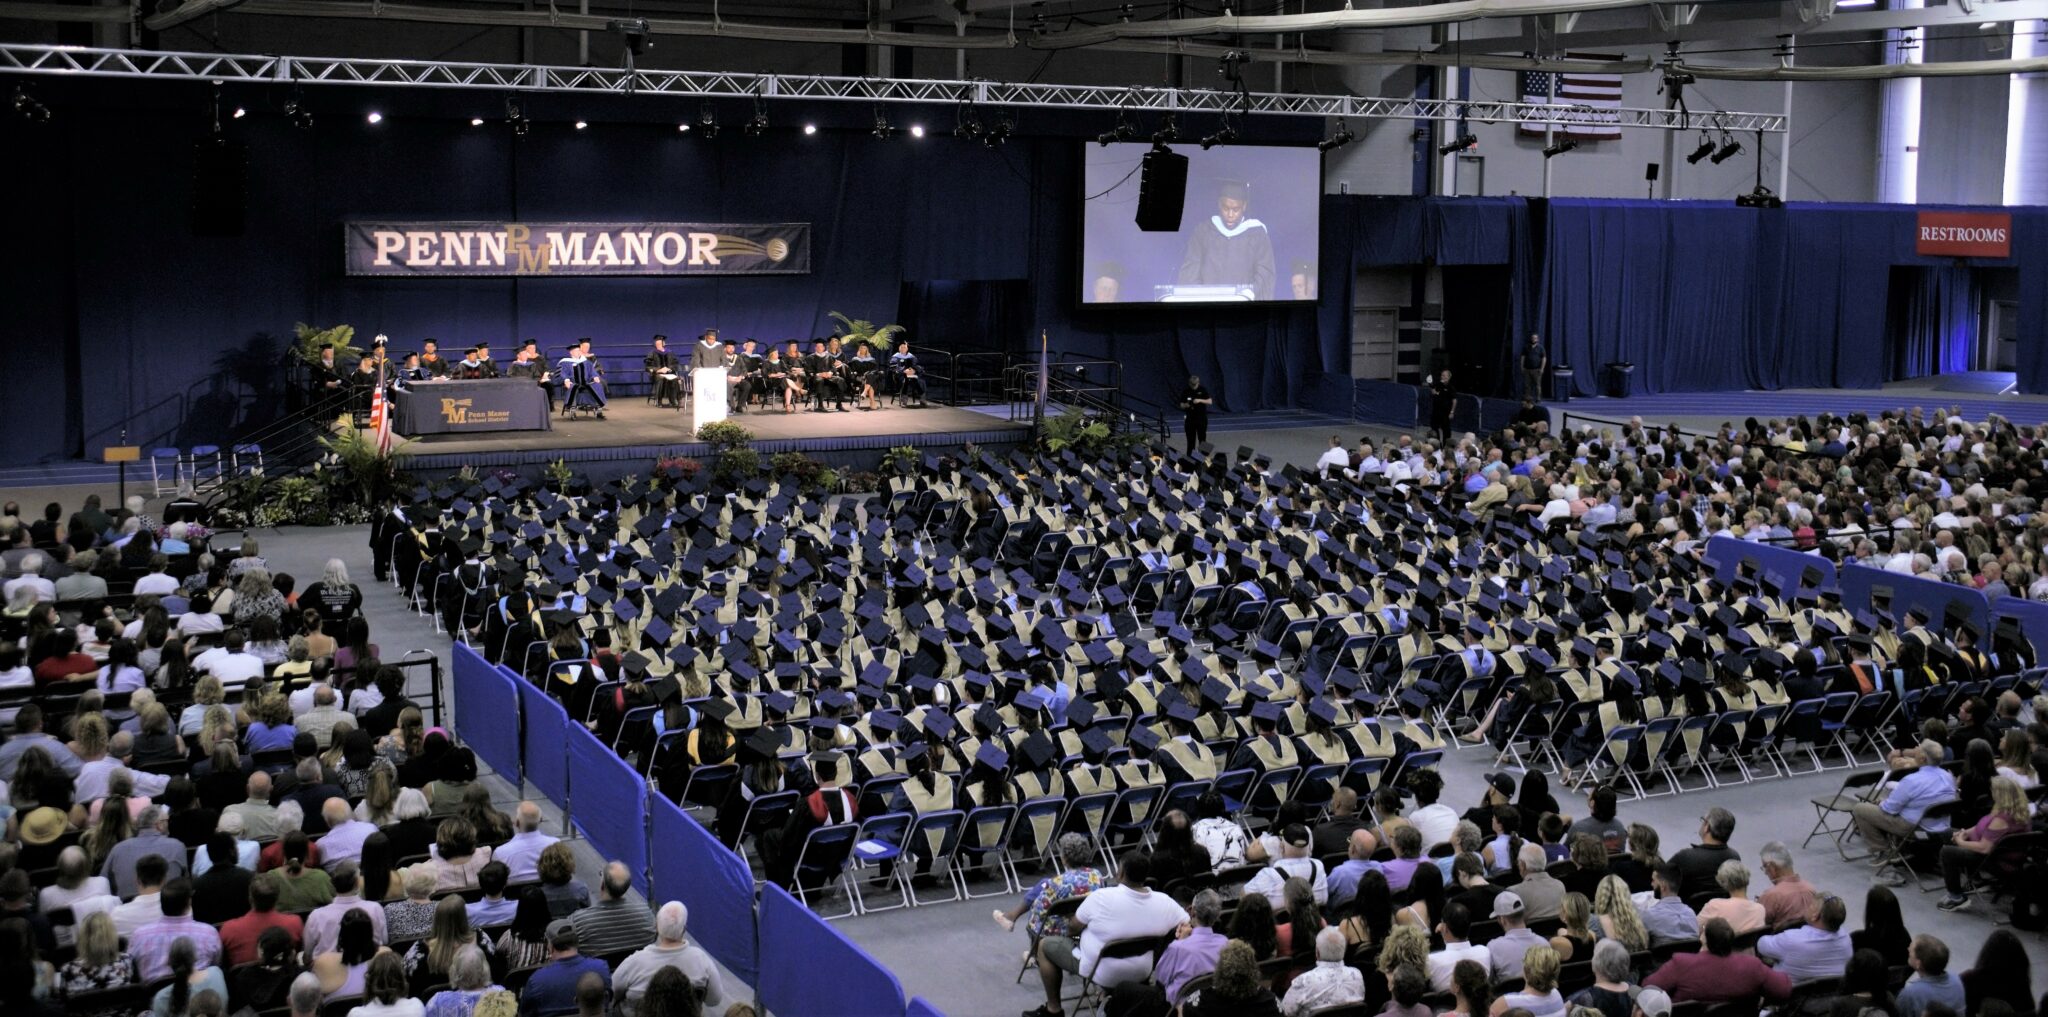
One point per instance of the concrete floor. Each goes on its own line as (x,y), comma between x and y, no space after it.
(956,957)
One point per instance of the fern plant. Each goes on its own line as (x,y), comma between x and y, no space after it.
(853,331)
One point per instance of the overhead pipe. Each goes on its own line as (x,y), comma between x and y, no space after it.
(1873,72)
(184,12)
(1330,21)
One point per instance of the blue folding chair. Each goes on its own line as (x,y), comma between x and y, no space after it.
(882,842)
(1834,725)
(985,840)
(821,862)
(1128,820)
(1236,788)
(936,836)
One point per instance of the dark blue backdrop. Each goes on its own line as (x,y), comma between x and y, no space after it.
(124,319)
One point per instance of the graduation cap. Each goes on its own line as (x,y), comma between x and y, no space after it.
(1038,750)
(1693,671)
(1143,738)
(1096,743)
(722,709)
(939,724)
(1030,699)
(991,758)
(823,723)
(1182,710)
(1414,698)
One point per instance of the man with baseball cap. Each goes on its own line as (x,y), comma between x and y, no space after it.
(1294,861)
(1652,1002)
(551,992)
(1515,939)
(1500,790)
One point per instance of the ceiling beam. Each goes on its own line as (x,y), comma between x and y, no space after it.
(1788,22)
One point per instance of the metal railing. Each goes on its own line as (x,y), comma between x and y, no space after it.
(1657,431)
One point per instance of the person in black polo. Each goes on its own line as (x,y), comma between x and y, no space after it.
(1534,360)
(1697,864)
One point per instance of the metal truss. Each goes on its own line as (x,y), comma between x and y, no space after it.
(73,62)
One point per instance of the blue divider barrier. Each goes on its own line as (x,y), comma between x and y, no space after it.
(692,866)
(2032,616)
(1859,582)
(1784,565)
(487,712)
(611,801)
(547,766)
(921,1007)
(839,979)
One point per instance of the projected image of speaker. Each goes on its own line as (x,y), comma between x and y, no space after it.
(220,170)
(1162,190)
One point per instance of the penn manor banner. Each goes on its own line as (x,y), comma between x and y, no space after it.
(576,248)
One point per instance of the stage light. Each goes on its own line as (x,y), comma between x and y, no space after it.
(683,128)
(1462,142)
(917,130)
(882,129)
(810,128)
(375,117)
(476,121)
(1168,132)
(1000,133)
(1223,136)
(581,124)
(1560,148)
(1338,140)
(296,112)
(29,108)
(708,121)
(1729,146)
(240,112)
(756,125)
(1706,149)
(1855,3)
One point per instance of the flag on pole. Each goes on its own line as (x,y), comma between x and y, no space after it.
(1044,377)
(1592,101)
(380,415)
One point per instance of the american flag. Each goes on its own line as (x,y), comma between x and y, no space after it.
(1580,97)
(380,415)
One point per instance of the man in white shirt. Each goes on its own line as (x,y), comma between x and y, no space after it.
(345,834)
(88,894)
(228,661)
(669,950)
(159,581)
(1112,914)
(31,577)
(1330,983)
(1294,861)
(93,773)
(1334,458)
(147,905)
(1454,928)
(1434,821)
(521,854)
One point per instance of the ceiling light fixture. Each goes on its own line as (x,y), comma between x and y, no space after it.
(917,130)
(1706,149)
(375,117)
(1463,142)
(1560,148)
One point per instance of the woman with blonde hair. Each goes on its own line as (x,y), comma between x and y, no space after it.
(1406,946)
(110,827)
(1575,934)
(101,963)
(407,739)
(255,598)
(207,691)
(1617,916)
(1538,995)
(89,737)
(1968,849)
(380,797)
(216,726)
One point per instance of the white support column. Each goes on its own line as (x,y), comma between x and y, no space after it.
(1898,154)
(1785,139)
(1549,133)
(2026,121)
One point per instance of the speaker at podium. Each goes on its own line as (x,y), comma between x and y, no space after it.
(708,396)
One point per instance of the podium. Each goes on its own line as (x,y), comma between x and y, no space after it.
(708,396)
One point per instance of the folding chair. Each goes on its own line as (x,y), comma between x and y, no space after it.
(1236,788)
(1059,909)
(1897,852)
(1093,994)
(1687,753)
(883,840)
(1180,796)
(1271,791)
(1037,824)
(1835,711)
(985,840)
(1128,819)
(1801,729)
(824,856)
(940,834)
(1620,745)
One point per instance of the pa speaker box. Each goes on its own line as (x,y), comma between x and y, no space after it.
(1162,190)
(220,171)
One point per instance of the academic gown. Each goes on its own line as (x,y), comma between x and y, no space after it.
(1219,256)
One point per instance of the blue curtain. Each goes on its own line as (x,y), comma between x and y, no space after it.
(1934,327)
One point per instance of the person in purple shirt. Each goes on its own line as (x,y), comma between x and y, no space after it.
(1194,954)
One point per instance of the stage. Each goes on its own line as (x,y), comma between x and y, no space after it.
(634,434)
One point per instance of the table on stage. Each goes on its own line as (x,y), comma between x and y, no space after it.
(470,407)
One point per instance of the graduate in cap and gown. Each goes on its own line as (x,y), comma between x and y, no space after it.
(1230,248)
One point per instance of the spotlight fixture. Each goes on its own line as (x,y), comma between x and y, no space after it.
(1706,149)
(1729,147)
(683,128)
(1123,130)
(917,130)
(708,120)
(1463,142)
(1005,125)
(1339,139)
(810,128)
(375,117)
(967,123)
(515,114)
(1224,135)
(882,129)
(476,121)
(240,112)
(296,113)
(1560,148)
(1168,132)
(759,121)
(29,108)
(581,124)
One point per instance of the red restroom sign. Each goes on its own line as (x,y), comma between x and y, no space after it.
(1964,234)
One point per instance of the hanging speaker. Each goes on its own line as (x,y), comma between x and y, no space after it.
(1162,190)
(220,170)
(1650,172)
